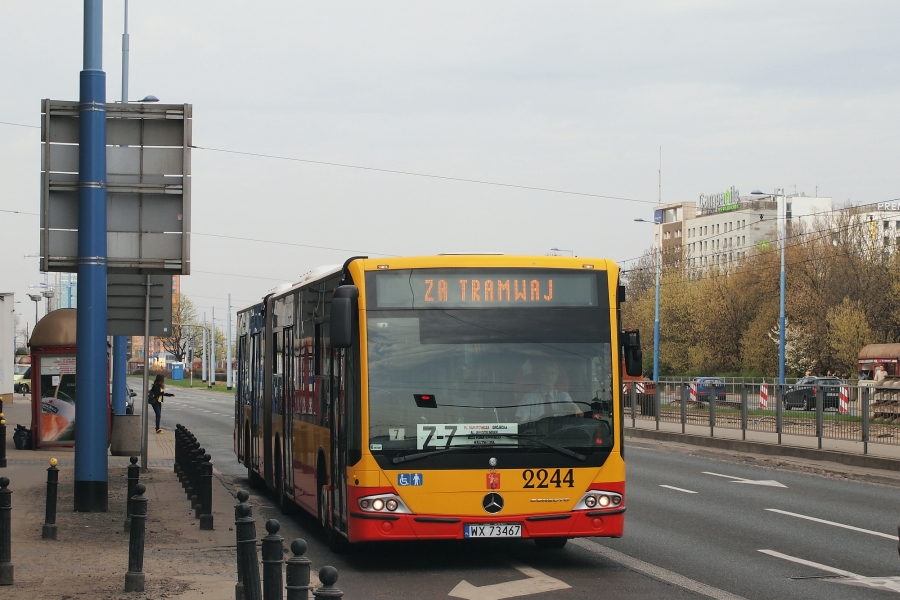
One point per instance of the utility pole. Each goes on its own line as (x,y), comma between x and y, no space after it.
(203,364)
(212,349)
(782,319)
(229,383)
(120,350)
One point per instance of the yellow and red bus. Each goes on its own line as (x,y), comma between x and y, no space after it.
(442,397)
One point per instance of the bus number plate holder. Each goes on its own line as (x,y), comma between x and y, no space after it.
(493,530)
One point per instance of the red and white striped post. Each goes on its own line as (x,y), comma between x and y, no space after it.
(764,396)
(844,399)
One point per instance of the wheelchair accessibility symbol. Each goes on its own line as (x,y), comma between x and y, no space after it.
(407,479)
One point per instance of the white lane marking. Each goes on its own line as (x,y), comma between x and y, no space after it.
(672,487)
(535,583)
(832,523)
(207,411)
(659,573)
(766,482)
(883,583)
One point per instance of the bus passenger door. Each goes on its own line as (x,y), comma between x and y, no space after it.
(290,409)
(338,441)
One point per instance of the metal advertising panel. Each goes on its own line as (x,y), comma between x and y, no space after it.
(148,187)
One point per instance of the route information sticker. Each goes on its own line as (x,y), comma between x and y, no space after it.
(444,435)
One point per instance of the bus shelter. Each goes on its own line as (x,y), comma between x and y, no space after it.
(54,397)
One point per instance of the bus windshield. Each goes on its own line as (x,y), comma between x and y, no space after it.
(507,380)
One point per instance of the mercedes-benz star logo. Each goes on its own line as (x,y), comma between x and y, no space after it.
(492,503)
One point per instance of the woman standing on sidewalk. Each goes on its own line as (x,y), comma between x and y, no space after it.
(156,395)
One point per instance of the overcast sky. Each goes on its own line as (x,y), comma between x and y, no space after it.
(575,96)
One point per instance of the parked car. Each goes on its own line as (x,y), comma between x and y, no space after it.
(803,393)
(129,400)
(22,379)
(707,386)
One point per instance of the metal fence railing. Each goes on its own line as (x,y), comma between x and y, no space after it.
(866,414)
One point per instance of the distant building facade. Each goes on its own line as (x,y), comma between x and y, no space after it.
(722,229)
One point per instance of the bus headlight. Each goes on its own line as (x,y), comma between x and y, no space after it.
(383,503)
(598,499)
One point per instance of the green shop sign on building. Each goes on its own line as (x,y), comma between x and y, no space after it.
(718,203)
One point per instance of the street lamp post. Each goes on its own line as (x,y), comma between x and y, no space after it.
(657,243)
(37,300)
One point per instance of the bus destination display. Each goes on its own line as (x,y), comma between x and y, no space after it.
(484,289)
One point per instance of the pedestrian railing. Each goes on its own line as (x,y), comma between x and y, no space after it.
(866,414)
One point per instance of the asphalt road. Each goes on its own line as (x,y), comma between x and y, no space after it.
(696,527)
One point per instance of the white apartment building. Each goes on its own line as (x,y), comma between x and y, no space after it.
(722,229)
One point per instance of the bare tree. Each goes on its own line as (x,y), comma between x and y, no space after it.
(185,332)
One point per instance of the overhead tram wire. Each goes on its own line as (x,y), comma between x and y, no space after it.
(426,175)
(232,237)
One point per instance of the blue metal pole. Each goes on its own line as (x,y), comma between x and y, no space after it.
(656,321)
(782,333)
(91,481)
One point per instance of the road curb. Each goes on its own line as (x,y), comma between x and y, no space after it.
(853,460)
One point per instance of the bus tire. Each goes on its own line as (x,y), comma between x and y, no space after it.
(322,507)
(253,480)
(550,542)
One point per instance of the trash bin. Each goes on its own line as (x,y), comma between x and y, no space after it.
(647,405)
(177,372)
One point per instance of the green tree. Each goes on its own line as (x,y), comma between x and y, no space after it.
(848,331)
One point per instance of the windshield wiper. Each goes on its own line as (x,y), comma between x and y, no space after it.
(560,449)
(401,459)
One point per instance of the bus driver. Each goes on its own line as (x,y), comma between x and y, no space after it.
(546,400)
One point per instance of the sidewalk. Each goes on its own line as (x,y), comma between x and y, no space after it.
(90,557)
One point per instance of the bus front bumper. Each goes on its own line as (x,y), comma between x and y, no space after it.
(369,527)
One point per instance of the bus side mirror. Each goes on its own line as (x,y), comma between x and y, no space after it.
(343,309)
(631,349)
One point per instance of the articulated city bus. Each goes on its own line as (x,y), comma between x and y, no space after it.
(441,397)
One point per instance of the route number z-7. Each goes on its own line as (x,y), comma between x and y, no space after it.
(542,478)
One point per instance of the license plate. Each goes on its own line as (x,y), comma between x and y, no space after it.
(494,530)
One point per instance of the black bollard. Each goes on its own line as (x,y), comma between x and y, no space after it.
(296,572)
(206,516)
(272,559)
(179,431)
(2,440)
(49,530)
(195,497)
(134,578)
(134,475)
(248,560)
(242,497)
(191,448)
(328,576)
(6,566)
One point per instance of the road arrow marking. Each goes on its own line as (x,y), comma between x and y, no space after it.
(851,527)
(536,583)
(891,584)
(766,482)
(672,487)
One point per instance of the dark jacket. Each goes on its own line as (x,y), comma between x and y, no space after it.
(156,394)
